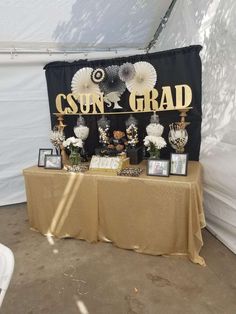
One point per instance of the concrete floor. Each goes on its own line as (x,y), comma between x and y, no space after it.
(71,276)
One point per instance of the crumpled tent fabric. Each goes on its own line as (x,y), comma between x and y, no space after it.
(70,25)
(212,23)
(78,24)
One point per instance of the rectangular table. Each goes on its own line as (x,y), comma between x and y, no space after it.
(153,215)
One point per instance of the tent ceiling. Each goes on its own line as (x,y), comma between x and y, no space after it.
(75,25)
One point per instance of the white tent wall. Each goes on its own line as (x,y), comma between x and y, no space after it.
(25,117)
(212,23)
(24,125)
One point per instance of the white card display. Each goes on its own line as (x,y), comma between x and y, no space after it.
(105,163)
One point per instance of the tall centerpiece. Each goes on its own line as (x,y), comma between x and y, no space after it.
(178,136)
(154,140)
(103,130)
(132,131)
(57,137)
(82,132)
(134,151)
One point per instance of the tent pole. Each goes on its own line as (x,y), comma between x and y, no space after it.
(161,26)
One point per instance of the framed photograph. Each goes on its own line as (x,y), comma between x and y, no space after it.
(53,162)
(158,167)
(179,164)
(42,153)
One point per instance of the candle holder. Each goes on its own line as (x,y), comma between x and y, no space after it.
(57,137)
(178,136)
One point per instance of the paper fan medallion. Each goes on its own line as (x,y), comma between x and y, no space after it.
(82,84)
(145,78)
(98,75)
(112,82)
(126,71)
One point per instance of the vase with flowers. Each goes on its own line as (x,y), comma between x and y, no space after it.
(74,145)
(154,140)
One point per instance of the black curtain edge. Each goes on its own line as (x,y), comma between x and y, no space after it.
(138,57)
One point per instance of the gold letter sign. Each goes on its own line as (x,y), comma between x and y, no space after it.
(151,100)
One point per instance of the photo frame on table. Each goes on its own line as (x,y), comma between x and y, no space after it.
(42,153)
(179,164)
(53,162)
(158,167)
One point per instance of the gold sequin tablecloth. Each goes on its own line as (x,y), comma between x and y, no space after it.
(153,215)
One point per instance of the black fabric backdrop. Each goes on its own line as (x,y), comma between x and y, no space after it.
(173,67)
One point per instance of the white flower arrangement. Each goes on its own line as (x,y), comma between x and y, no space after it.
(71,142)
(74,145)
(154,141)
(81,132)
(157,141)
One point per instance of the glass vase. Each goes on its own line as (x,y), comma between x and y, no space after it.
(178,137)
(154,154)
(132,131)
(74,158)
(103,130)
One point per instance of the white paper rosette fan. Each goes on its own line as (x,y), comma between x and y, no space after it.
(145,78)
(82,84)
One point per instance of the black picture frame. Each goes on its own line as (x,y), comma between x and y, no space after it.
(158,167)
(53,162)
(41,157)
(179,164)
